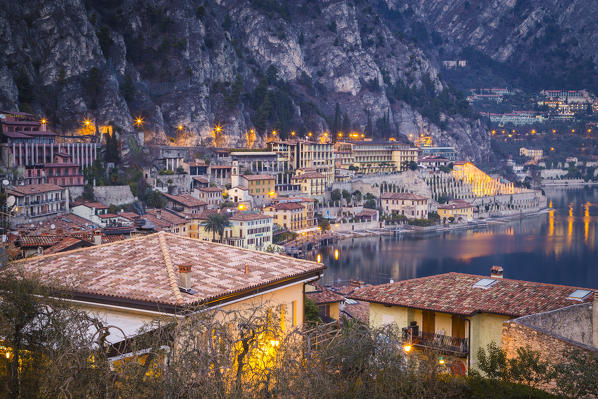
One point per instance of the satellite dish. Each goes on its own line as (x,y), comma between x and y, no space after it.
(52,226)
(10,201)
(5,182)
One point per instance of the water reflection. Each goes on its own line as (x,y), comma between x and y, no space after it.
(556,247)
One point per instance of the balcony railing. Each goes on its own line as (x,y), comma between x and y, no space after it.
(458,346)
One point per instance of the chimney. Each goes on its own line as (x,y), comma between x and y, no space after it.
(97,237)
(185,277)
(496,272)
(595,320)
(246,269)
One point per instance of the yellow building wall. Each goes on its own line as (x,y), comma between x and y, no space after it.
(284,296)
(335,310)
(485,328)
(444,324)
(381,315)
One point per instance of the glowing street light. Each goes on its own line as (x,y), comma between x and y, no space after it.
(251,131)
(293,133)
(340,134)
(87,122)
(274,132)
(407,348)
(272,193)
(553,130)
(139,121)
(180,127)
(309,134)
(44,121)
(533,131)
(241,207)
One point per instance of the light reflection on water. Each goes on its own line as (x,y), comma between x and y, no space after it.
(555,247)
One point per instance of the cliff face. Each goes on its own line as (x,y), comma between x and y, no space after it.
(539,43)
(261,64)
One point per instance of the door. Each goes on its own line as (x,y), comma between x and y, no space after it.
(458,327)
(428,322)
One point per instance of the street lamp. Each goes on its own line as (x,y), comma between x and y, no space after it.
(180,127)
(407,348)
(218,128)
(139,121)
(44,121)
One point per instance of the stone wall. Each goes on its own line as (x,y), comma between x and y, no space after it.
(552,334)
(113,195)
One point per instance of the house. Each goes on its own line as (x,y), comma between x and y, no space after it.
(410,205)
(198,168)
(249,230)
(167,220)
(63,171)
(199,182)
(460,211)
(238,194)
(261,187)
(433,163)
(458,314)
(90,211)
(312,183)
(220,174)
(37,202)
(327,301)
(131,282)
(185,203)
(290,215)
(210,195)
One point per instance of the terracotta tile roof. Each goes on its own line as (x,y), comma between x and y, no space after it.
(220,166)
(323,295)
(201,179)
(108,216)
(34,189)
(454,293)
(143,271)
(249,216)
(66,244)
(129,215)
(68,222)
(212,189)
(198,163)
(366,212)
(402,196)
(359,311)
(185,200)
(259,177)
(34,241)
(309,175)
(164,219)
(287,206)
(90,204)
(433,159)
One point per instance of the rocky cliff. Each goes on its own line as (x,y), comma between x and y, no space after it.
(533,43)
(186,66)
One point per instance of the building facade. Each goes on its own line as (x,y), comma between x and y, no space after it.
(410,205)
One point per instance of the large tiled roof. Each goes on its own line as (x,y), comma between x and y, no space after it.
(185,200)
(322,295)
(454,293)
(259,177)
(456,205)
(287,206)
(90,204)
(34,189)
(402,196)
(249,216)
(143,271)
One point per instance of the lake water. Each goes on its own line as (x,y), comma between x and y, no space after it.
(557,247)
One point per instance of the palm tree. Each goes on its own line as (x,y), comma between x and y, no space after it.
(217,223)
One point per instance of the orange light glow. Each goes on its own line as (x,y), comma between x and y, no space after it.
(180,127)
(44,121)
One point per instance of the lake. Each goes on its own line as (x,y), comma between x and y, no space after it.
(557,247)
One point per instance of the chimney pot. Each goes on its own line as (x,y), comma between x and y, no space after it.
(97,237)
(185,276)
(496,272)
(246,269)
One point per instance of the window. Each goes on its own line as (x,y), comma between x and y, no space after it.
(485,283)
(579,295)
(294,313)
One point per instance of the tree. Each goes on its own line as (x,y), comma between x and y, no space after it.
(335,195)
(347,196)
(357,196)
(578,376)
(216,223)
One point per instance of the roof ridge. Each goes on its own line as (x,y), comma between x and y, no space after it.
(166,255)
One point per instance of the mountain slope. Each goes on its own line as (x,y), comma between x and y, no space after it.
(262,64)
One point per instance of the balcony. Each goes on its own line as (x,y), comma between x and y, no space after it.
(439,342)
